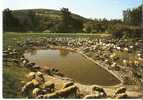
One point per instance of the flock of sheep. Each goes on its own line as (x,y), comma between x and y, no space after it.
(122,55)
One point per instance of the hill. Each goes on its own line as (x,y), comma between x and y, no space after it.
(38,20)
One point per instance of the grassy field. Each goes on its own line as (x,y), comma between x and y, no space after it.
(9,38)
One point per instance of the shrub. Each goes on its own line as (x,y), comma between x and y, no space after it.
(120,30)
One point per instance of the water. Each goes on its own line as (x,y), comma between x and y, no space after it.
(73,65)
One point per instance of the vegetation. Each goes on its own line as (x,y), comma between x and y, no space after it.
(42,20)
(21,24)
(11,77)
(133,16)
(12,80)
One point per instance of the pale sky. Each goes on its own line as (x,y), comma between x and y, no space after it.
(110,9)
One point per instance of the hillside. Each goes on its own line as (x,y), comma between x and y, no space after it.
(40,19)
(47,13)
(64,21)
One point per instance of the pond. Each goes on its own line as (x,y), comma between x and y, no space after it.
(73,65)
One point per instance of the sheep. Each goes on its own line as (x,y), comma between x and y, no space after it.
(25,61)
(118,48)
(113,65)
(131,47)
(100,90)
(72,90)
(126,49)
(139,55)
(125,62)
(136,63)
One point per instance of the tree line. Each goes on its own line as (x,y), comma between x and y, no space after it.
(131,25)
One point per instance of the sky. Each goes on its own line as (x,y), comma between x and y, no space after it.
(109,9)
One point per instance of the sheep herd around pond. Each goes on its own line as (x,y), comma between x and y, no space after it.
(122,56)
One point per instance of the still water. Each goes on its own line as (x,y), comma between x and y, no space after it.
(73,65)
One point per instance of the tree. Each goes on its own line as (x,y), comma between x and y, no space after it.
(10,22)
(66,16)
(69,23)
(134,16)
(88,26)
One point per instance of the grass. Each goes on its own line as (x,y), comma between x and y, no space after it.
(12,80)
(10,37)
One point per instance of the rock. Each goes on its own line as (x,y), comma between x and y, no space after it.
(67,84)
(31,76)
(69,91)
(121,96)
(40,77)
(120,90)
(49,87)
(51,95)
(15,61)
(29,65)
(93,96)
(35,82)
(35,92)
(36,66)
(27,89)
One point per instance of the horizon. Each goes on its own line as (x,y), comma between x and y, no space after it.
(114,8)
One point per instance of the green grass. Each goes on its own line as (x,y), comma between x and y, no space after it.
(12,77)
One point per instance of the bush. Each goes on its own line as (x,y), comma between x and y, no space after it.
(120,30)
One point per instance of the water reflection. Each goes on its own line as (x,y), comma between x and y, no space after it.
(73,65)
(63,53)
